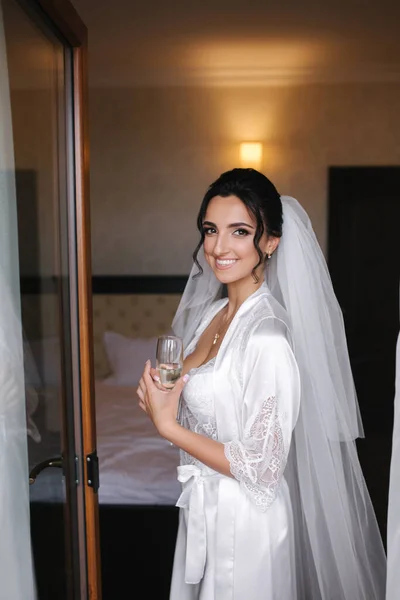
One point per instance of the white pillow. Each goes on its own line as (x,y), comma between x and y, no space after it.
(127,356)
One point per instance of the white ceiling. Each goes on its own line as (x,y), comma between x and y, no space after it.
(220,42)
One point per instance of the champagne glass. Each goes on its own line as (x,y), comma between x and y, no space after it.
(169,358)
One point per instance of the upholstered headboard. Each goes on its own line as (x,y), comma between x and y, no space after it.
(133,306)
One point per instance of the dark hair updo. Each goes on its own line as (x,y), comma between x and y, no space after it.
(260,197)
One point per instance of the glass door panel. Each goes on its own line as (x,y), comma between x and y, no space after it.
(40,69)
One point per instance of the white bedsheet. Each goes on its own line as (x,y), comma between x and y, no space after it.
(137,466)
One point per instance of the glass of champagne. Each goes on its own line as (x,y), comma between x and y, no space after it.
(169,359)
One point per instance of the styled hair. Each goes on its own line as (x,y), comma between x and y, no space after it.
(260,197)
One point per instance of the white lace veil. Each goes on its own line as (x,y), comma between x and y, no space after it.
(339,550)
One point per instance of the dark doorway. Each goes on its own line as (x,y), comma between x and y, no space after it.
(364,262)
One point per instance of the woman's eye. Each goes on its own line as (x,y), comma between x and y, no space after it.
(208,230)
(241,232)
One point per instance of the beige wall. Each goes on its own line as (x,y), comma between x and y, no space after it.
(35,148)
(154,152)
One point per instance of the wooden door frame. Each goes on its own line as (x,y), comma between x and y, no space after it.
(65,18)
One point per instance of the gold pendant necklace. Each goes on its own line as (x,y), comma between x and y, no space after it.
(222,329)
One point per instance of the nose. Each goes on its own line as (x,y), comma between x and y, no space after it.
(221,245)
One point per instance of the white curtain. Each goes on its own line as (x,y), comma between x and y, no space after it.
(16,565)
(393,527)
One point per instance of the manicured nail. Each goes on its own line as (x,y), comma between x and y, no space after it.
(186,378)
(156,378)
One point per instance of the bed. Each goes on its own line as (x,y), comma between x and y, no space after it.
(138,485)
(137,466)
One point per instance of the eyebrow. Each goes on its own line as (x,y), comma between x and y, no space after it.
(231,226)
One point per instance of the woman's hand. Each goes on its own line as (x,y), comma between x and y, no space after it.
(160,404)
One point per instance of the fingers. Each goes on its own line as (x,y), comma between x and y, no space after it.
(143,386)
(142,391)
(147,378)
(144,383)
(157,381)
(142,399)
(180,384)
(154,375)
(160,387)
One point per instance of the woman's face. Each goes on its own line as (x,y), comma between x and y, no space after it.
(229,231)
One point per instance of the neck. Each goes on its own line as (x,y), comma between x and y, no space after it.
(239,291)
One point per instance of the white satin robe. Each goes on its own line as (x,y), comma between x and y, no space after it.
(235,538)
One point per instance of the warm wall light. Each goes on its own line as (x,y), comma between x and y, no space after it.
(251,154)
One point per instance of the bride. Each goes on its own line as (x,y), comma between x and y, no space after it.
(274,505)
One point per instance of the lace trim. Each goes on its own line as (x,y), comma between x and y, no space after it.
(259,461)
(204,427)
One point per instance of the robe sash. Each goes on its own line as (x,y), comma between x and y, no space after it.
(192,498)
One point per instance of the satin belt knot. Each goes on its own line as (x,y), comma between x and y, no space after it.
(192,498)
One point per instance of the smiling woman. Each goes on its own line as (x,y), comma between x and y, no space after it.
(232,246)
(234,254)
(239,218)
(272,505)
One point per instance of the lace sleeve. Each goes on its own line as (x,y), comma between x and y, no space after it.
(259,461)
(270,408)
